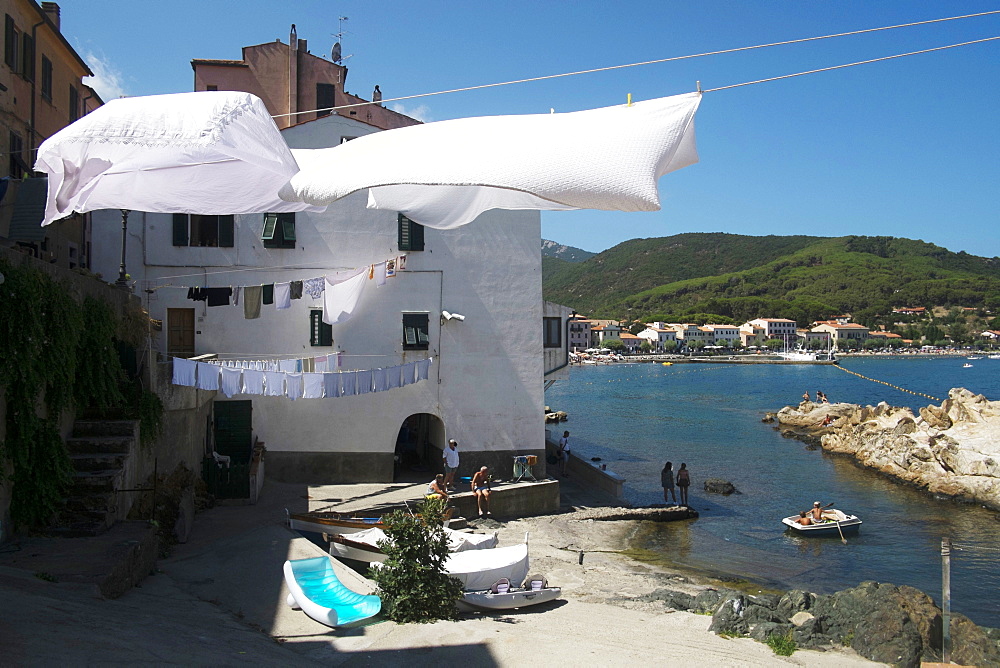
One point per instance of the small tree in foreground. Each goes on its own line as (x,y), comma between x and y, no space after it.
(412,581)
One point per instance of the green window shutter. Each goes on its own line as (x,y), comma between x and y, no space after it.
(411,234)
(180,229)
(10,42)
(320,333)
(415,331)
(270,223)
(28,58)
(227,233)
(288,227)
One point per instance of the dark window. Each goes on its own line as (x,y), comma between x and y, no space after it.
(10,45)
(198,230)
(324,98)
(411,234)
(552,328)
(211,87)
(27,58)
(46,79)
(320,333)
(279,230)
(415,328)
(74,104)
(16,161)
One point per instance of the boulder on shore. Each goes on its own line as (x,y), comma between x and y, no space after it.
(952,449)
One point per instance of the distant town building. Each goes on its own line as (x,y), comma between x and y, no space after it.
(579,333)
(907,310)
(841,333)
(631,341)
(777,328)
(658,336)
(601,333)
(724,335)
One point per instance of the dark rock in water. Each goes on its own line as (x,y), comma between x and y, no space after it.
(719,486)
(794,601)
(677,600)
(765,630)
(729,617)
(767,600)
(595,459)
(707,601)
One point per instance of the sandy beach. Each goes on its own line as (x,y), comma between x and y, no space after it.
(219,599)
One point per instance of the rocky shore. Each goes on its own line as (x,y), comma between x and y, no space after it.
(880,622)
(952,449)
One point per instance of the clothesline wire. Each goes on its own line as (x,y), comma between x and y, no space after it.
(304,265)
(672,59)
(860,62)
(667,60)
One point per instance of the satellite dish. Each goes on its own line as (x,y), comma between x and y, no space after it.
(335,53)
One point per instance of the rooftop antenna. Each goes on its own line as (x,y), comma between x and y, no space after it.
(336,51)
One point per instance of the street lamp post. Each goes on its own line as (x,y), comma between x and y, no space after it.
(122,281)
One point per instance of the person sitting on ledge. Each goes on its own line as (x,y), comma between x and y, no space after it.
(803,519)
(481,488)
(436,488)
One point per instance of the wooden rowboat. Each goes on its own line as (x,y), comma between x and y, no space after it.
(333,523)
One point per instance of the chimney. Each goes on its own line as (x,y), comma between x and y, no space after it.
(52,10)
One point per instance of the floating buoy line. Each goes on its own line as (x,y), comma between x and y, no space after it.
(882,382)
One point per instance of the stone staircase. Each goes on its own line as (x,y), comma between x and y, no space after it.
(100,451)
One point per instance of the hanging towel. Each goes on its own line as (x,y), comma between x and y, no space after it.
(231,381)
(288,366)
(364,383)
(401,263)
(267,292)
(320,364)
(282,295)
(237,291)
(423,368)
(251,302)
(312,386)
(274,383)
(253,382)
(390,268)
(314,287)
(380,380)
(349,382)
(293,385)
(408,371)
(379,270)
(295,291)
(392,377)
(184,372)
(219,296)
(343,292)
(208,376)
(331,385)
(197,294)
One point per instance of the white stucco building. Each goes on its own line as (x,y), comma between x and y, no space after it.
(485,387)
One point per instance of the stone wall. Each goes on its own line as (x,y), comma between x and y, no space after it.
(952,449)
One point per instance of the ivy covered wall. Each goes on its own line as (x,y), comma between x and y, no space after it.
(61,334)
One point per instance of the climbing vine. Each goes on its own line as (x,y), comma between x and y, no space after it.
(54,353)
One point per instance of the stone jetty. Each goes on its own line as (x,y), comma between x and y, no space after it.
(952,449)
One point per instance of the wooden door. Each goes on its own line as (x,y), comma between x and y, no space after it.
(180,332)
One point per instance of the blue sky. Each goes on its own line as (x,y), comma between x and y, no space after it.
(908,147)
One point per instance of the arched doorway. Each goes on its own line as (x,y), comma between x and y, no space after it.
(419,447)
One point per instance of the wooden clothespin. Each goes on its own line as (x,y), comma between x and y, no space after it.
(629,100)
(698,86)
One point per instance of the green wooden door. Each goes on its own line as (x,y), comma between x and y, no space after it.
(234,429)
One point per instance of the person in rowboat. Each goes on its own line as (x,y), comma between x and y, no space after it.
(804,519)
(816,512)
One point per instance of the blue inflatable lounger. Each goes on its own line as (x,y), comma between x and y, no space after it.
(318,592)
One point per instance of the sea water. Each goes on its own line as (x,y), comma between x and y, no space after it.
(634,417)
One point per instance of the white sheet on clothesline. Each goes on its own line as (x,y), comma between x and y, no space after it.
(445,174)
(211,152)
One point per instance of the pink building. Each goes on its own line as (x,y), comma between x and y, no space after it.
(291,80)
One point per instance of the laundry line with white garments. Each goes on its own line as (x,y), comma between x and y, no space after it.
(287,377)
(340,291)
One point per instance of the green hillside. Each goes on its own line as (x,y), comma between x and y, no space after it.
(741,277)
